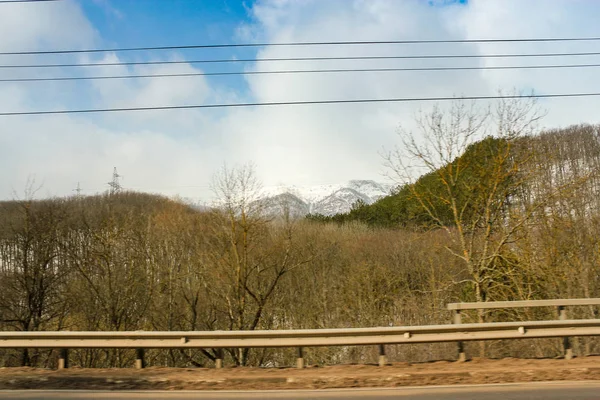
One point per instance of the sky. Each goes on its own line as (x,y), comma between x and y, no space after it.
(176,152)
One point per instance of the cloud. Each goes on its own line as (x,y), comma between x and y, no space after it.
(41,26)
(176,152)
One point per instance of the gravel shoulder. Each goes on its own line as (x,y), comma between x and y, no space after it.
(475,371)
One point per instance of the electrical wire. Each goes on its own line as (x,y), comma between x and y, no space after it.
(288,44)
(281,72)
(25,1)
(297,103)
(408,57)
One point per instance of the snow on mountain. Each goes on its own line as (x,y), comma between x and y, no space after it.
(369,188)
(323,199)
(282,203)
(339,201)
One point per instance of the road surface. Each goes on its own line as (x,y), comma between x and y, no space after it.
(589,390)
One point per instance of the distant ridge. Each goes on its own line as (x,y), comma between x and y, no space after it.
(323,199)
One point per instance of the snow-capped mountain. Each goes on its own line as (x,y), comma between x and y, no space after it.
(322,199)
(281,204)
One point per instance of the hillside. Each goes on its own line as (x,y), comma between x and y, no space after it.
(557,157)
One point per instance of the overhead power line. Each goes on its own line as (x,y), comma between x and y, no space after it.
(406,57)
(307,71)
(300,103)
(25,1)
(287,44)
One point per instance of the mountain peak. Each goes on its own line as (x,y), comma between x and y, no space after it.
(326,199)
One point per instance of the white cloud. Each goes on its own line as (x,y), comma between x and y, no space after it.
(27,27)
(177,151)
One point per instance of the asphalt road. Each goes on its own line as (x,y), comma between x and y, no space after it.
(526,391)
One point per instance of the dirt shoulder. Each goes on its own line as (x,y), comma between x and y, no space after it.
(476,371)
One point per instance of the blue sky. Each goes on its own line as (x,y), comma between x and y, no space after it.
(131,22)
(134,23)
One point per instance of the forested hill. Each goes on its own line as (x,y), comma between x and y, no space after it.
(48,219)
(558,156)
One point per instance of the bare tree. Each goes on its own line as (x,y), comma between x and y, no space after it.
(475,172)
(251,253)
(33,270)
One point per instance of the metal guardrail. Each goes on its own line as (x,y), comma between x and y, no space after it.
(301,338)
(523,304)
(297,338)
(560,304)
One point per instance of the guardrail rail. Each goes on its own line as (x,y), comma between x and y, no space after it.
(560,305)
(141,340)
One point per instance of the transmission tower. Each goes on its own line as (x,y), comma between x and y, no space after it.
(78,190)
(115,185)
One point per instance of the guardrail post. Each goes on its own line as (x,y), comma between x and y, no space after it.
(300,359)
(63,358)
(568,351)
(457,320)
(219,359)
(382,357)
(139,359)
